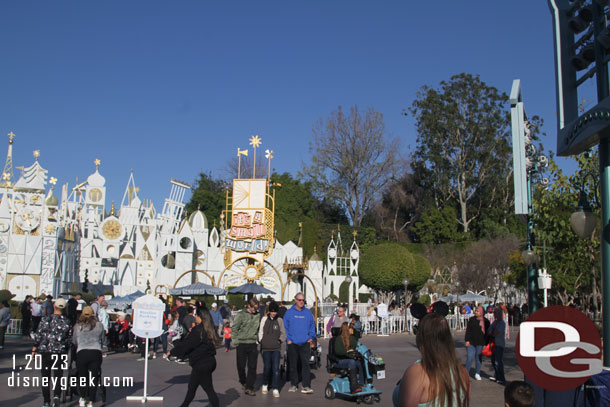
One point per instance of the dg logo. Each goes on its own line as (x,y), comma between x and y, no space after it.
(558,348)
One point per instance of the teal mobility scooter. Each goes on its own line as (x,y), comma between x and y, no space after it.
(339,383)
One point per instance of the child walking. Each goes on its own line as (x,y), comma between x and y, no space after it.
(227,335)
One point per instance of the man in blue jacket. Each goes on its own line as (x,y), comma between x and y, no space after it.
(300,336)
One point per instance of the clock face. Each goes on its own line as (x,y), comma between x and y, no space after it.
(112,229)
(28,219)
(94,195)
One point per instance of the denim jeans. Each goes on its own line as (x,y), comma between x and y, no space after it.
(271,368)
(352,364)
(473,353)
(498,363)
(163,339)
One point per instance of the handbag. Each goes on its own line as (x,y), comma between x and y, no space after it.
(488,349)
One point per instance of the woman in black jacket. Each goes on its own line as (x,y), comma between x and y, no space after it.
(475,339)
(200,346)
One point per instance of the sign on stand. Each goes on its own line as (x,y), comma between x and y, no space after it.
(147,323)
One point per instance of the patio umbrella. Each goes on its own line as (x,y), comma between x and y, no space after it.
(198,288)
(250,288)
(124,301)
(470,296)
(449,298)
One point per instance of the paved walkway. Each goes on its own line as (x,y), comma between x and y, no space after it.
(169,379)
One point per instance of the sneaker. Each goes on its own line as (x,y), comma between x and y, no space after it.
(56,402)
(264,389)
(165,356)
(501,382)
(493,379)
(180,361)
(477,376)
(46,404)
(276,393)
(81,402)
(293,389)
(306,390)
(141,359)
(90,404)
(249,392)
(154,356)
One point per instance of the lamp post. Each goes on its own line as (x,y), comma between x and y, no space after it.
(348,280)
(405,283)
(527,164)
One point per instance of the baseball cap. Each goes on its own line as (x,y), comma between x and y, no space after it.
(88,311)
(214,305)
(60,303)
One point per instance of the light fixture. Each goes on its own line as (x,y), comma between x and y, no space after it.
(529,257)
(583,220)
(584,58)
(580,22)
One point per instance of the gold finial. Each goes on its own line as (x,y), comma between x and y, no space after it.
(332,234)
(255,141)
(36,154)
(53,181)
(269,156)
(315,248)
(97,163)
(300,225)
(355,233)
(338,228)
(112,209)
(11,136)
(198,206)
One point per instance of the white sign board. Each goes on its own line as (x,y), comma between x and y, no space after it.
(148,316)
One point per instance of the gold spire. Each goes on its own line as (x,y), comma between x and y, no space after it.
(355,233)
(112,209)
(11,136)
(97,163)
(36,154)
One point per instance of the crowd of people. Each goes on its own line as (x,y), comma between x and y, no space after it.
(192,333)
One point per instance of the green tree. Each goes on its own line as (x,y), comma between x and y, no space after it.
(351,160)
(573,262)
(209,196)
(437,226)
(384,266)
(463,146)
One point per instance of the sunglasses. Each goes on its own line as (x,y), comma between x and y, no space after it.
(299,299)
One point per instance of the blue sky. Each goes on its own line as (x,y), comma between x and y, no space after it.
(173,88)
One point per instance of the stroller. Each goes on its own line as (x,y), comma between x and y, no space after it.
(315,361)
(339,382)
(70,391)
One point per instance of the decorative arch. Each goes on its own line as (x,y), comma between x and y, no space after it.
(194,271)
(315,292)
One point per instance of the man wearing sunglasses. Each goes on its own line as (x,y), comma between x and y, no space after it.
(300,334)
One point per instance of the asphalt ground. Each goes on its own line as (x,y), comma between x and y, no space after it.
(169,379)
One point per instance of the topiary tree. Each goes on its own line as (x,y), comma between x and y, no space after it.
(344,292)
(384,266)
(425,299)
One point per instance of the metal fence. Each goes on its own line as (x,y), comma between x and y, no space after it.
(14,327)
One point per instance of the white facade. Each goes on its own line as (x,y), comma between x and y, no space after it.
(50,246)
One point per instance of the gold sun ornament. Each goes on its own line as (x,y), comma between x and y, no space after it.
(255,142)
(36,154)
(97,163)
